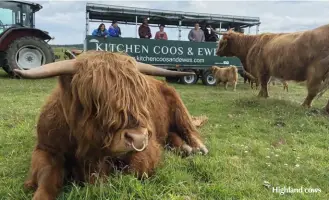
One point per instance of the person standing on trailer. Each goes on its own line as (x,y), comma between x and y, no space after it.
(210,35)
(144,30)
(161,34)
(196,34)
(114,30)
(100,31)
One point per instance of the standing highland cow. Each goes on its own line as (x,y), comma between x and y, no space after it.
(105,115)
(226,75)
(296,56)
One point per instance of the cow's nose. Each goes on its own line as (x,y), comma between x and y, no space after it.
(138,141)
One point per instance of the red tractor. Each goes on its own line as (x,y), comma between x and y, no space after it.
(22,46)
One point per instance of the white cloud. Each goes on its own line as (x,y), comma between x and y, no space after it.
(65,20)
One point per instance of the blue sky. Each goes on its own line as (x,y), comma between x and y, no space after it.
(65,20)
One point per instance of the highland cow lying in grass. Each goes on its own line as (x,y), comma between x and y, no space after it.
(105,115)
(226,75)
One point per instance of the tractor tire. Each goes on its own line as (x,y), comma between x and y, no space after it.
(189,80)
(30,48)
(208,78)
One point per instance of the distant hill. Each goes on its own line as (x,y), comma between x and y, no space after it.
(68,46)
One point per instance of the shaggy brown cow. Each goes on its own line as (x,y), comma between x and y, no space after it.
(105,115)
(225,75)
(296,56)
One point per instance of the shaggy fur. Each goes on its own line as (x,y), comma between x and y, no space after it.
(226,75)
(296,56)
(79,123)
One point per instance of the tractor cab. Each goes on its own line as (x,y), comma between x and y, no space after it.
(17,14)
(22,46)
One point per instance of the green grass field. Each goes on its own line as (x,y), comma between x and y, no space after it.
(250,141)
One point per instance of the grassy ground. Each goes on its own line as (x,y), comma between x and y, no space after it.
(251,141)
(59,52)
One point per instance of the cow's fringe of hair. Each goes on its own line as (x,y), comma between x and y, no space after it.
(113,95)
(243,43)
(223,45)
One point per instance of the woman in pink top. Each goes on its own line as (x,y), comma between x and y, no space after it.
(161,35)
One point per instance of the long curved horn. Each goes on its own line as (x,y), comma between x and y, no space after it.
(67,67)
(48,70)
(156,71)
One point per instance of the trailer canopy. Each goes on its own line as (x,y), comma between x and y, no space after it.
(131,15)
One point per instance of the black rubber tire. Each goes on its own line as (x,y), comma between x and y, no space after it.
(195,78)
(206,76)
(10,61)
(172,79)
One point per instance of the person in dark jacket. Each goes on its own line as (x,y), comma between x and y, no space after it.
(210,35)
(114,30)
(101,31)
(144,30)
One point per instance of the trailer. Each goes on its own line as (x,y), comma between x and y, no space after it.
(169,54)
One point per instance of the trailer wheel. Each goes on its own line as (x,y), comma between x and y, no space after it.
(208,78)
(27,53)
(170,79)
(190,79)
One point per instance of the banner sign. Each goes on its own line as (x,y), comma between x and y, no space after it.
(164,52)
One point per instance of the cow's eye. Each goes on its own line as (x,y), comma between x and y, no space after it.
(132,122)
